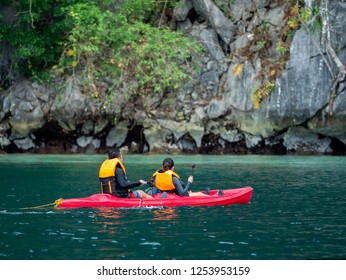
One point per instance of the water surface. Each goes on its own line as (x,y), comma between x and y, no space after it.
(297,210)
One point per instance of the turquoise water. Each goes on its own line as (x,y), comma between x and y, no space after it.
(297,210)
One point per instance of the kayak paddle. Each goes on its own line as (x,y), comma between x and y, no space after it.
(192,165)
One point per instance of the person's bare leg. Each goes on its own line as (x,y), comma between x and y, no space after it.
(144,194)
(196,194)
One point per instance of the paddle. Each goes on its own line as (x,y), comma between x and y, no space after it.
(192,165)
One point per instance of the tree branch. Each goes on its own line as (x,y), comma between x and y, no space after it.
(163,12)
(30,12)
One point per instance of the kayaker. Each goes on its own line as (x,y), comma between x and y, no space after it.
(113,179)
(166,180)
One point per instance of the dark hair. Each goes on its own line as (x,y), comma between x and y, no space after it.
(167,164)
(114,153)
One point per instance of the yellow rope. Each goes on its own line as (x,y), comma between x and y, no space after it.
(56,203)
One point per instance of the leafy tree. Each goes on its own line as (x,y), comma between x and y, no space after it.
(36,35)
(99,40)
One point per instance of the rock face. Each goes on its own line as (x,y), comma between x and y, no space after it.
(216,112)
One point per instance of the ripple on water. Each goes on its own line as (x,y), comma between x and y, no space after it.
(17,233)
(78,238)
(226,243)
(150,243)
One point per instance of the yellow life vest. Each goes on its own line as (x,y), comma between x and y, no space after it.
(164,181)
(107,168)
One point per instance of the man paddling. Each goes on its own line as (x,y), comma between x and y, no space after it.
(113,179)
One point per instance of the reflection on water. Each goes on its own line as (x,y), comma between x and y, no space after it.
(109,216)
(165,214)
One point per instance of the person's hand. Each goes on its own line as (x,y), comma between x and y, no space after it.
(142,182)
(190,179)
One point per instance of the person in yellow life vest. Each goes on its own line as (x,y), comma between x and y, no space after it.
(113,179)
(166,180)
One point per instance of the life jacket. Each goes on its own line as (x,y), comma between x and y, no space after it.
(164,180)
(107,174)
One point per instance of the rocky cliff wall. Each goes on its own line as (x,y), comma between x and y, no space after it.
(250,97)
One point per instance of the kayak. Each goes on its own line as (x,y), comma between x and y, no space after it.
(230,196)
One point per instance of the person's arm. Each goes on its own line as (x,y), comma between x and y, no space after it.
(151,181)
(182,191)
(122,180)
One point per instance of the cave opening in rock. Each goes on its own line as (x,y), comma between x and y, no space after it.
(135,139)
(338,147)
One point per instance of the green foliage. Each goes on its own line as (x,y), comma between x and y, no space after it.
(33,36)
(155,57)
(261,92)
(126,49)
(281,48)
(100,39)
(316,19)
(303,15)
(307,14)
(137,10)
(260,45)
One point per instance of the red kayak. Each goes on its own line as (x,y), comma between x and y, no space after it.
(231,196)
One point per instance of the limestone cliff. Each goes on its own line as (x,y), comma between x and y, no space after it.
(259,92)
